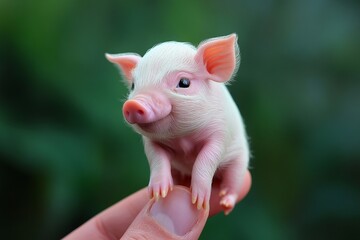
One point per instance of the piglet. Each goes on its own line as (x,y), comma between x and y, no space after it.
(190,125)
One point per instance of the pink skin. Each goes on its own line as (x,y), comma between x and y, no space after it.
(194,132)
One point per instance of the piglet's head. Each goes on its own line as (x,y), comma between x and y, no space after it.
(173,80)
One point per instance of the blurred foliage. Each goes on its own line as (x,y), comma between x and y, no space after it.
(66,152)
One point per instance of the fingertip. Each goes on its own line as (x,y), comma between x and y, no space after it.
(173,217)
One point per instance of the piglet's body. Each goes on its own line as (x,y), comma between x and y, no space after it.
(190,124)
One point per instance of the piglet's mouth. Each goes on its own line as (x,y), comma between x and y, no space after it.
(156,126)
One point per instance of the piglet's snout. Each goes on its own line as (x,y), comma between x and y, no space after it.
(145,110)
(135,112)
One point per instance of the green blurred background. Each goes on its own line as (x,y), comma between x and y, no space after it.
(67,154)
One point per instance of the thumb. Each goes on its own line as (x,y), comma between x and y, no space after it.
(173,217)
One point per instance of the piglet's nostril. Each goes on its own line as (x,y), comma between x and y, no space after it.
(140,112)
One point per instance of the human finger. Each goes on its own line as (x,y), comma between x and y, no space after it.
(113,222)
(173,218)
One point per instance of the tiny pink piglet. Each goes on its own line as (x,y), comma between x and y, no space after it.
(190,125)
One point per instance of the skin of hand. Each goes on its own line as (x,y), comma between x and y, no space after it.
(137,217)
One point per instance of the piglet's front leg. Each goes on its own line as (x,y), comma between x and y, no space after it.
(203,172)
(160,170)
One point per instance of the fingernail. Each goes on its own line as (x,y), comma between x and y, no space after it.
(175,212)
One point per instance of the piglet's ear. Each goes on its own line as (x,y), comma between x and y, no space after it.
(220,57)
(126,62)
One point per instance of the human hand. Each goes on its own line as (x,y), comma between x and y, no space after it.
(137,217)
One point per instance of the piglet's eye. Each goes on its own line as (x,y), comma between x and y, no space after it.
(183,83)
(132,86)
